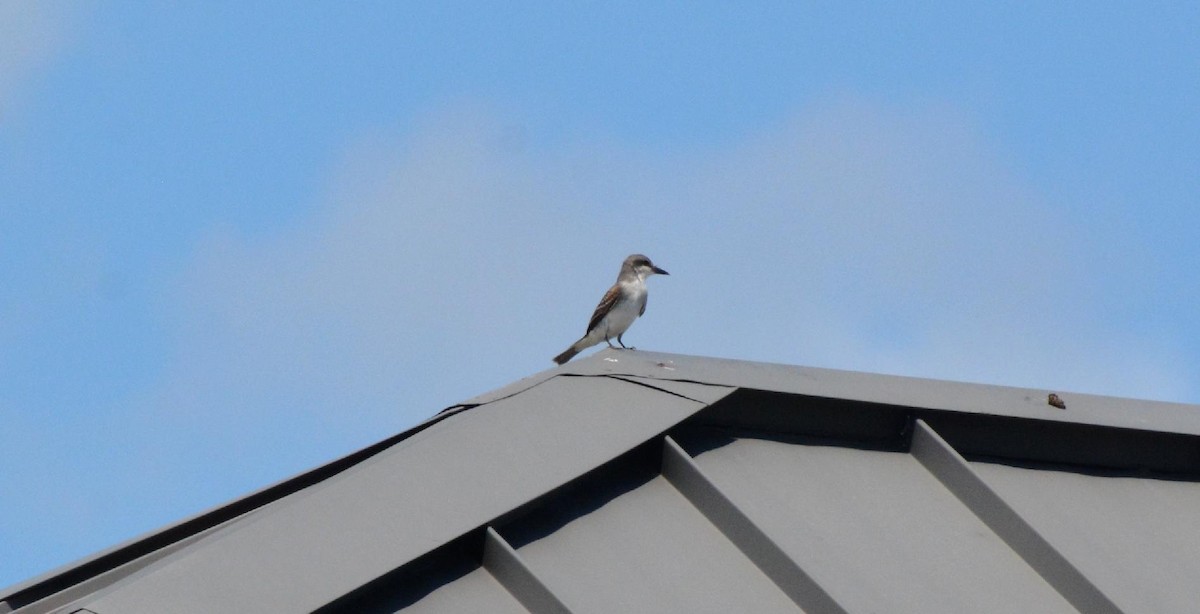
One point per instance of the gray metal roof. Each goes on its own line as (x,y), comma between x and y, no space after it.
(645,482)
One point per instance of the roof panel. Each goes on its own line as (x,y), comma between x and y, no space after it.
(449,479)
(803,472)
(650,550)
(875,529)
(477,591)
(1137,539)
(896,390)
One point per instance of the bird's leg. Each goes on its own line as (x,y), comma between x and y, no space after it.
(623,343)
(609,342)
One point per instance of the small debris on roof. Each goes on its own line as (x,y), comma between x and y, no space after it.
(1056,401)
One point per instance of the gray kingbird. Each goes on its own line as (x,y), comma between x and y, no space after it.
(624,302)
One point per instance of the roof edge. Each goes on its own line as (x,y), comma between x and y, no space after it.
(64,577)
(907,391)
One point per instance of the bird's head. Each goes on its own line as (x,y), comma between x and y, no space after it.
(642,266)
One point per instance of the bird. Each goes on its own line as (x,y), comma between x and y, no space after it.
(624,302)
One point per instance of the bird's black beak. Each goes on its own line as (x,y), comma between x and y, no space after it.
(658,270)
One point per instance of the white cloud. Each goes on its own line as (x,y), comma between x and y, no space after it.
(457,258)
(900,241)
(31,34)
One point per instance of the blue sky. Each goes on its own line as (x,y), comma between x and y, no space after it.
(239,241)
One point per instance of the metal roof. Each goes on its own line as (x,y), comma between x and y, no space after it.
(645,482)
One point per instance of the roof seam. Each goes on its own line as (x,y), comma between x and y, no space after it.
(952,470)
(514,574)
(661,379)
(652,387)
(685,476)
(461,407)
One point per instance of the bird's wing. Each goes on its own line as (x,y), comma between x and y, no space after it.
(642,311)
(605,306)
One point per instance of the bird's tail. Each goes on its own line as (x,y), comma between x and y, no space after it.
(567,355)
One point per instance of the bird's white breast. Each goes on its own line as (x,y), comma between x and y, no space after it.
(625,312)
